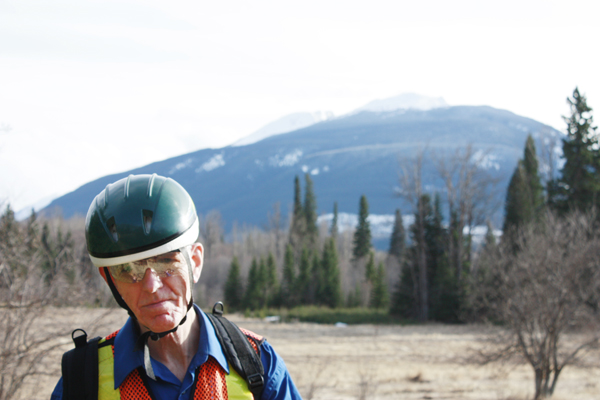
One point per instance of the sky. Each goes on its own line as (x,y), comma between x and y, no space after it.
(91,88)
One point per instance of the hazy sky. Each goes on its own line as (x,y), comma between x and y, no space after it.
(89,88)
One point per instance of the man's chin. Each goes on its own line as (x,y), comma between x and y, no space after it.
(162,322)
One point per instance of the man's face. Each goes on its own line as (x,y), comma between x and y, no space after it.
(160,303)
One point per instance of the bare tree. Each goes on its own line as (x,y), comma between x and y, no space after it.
(470,197)
(277,226)
(38,270)
(544,291)
(211,231)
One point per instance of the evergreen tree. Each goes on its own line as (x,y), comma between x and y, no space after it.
(305,283)
(298,225)
(310,213)
(331,292)
(579,181)
(525,195)
(252,298)
(397,240)
(289,289)
(271,283)
(318,287)
(362,235)
(379,293)
(233,287)
(424,285)
(370,272)
(444,294)
(334,221)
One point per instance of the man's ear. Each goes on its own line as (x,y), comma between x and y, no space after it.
(197,253)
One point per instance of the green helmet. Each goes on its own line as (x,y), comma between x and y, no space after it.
(138,217)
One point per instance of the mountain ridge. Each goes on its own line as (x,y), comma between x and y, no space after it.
(345,157)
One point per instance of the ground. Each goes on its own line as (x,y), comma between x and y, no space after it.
(429,361)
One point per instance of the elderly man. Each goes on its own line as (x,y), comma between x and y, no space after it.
(141,233)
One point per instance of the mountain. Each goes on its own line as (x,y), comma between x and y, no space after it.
(346,157)
(300,120)
(406,101)
(285,124)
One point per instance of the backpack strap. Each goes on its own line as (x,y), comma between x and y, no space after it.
(80,368)
(238,351)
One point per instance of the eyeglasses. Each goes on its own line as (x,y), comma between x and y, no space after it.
(164,265)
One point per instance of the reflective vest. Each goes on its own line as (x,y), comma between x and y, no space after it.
(212,381)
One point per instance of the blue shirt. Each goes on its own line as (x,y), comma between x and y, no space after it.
(278,383)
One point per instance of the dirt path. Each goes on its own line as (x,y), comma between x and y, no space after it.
(375,362)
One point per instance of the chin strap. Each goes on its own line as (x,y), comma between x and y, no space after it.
(142,340)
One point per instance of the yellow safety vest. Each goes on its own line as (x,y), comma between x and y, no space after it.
(212,381)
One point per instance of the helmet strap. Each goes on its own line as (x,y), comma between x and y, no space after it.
(116,293)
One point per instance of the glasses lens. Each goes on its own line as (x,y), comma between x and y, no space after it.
(164,265)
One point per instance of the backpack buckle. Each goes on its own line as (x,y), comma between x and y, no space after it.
(255,381)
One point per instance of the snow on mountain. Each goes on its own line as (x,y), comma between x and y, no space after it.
(404,101)
(285,124)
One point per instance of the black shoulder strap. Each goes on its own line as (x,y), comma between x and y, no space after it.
(243,358)
(80,368)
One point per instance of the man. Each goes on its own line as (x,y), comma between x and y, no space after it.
(141,233)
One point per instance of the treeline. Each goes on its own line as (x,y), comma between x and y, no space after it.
(433,270)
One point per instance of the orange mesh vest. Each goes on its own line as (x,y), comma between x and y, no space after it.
(212,382)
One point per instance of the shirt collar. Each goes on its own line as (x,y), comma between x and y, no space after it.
(126,360)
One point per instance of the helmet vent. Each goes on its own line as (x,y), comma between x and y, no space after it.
(112,228)
(147,216)
(150,185)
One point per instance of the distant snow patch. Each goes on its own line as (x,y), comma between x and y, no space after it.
(287,160)
(485,161)
(520,127)
(181,165)
(215,162)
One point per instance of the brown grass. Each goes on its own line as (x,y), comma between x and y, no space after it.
(369,362)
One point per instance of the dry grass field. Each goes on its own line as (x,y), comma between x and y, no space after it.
(367,362)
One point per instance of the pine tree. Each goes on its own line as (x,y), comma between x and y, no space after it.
(379,293)
(525,194)
(298,224)
(305,283)
(334,222)
(233,287)
(252,298)
(331,292)
(398,239)
(318,286)
(579,181)
(310,213)
(271,283)
(444,296)
(362,235)
(370,272)
(289,289)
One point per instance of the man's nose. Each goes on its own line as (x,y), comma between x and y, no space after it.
(151,281)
